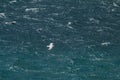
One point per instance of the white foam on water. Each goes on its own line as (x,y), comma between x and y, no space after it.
(35,10)
(9,23)
(93,20)
(35,1)
(38,30)
(2,15)
(13,1)
(105,43)
(69,25)
(115,5)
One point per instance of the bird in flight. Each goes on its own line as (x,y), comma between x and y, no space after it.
(50,46)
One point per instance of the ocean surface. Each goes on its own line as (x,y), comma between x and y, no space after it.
(85,34)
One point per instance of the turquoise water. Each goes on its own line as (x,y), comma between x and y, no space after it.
(85,33)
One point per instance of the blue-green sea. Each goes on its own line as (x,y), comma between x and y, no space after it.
(85,36)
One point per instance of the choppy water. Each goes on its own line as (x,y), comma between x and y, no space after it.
(85,33)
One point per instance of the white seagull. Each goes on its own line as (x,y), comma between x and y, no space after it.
(50,46)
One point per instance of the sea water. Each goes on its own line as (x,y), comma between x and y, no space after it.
(85,34)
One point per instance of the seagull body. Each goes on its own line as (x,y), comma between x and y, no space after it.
(50,46)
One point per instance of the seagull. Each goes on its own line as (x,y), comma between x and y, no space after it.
(50,46)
